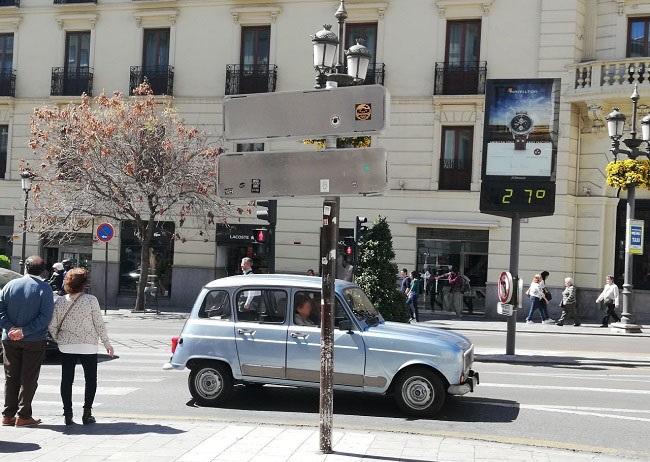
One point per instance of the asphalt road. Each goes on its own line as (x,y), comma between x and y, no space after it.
(602,406)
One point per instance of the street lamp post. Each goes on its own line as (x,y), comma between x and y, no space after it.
(328,62)
(615,125)
(26,177)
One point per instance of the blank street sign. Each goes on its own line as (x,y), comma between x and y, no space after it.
(346,111)
(337,172)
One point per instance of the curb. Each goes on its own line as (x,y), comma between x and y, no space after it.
(556,360)
(492,329)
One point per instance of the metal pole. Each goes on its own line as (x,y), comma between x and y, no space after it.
(341,15)
(515,233)
(627,316)
(24,243)
(328,298)
(105,278)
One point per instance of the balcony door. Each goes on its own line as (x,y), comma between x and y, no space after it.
(76,69)
(456,158)
(368,33)
(254,60)
(6,53)
(155,52)
(462,56)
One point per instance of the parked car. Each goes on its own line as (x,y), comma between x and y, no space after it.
(256,330)
(7,275)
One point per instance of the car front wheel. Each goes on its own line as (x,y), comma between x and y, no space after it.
(420,392)
(210,384)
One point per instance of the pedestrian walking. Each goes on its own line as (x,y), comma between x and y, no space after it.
(547,297)
(568,304)
(455,295)
(76,326)
(56,280)
(405,285)
(609,297)
(412,295)
(537,299)
(26,306)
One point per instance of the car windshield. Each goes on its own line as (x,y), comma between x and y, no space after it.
(361,306)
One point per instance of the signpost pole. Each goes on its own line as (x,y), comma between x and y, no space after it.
(328,270)
(515,232)
(105,278)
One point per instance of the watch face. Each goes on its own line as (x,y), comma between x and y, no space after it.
(521,123)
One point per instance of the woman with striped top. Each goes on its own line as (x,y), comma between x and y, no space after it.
(568,304)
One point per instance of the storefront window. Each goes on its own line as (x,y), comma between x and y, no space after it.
(6,233)
(640,263)
(439,250)
(161,258)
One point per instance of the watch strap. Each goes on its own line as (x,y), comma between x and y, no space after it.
(520,142)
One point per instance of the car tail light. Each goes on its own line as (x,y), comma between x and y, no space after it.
(174,343)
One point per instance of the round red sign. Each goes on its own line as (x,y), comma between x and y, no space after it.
(504,287)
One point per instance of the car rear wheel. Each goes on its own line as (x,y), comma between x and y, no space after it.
(210,384)
(420,392)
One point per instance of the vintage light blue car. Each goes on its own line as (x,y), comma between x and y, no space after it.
(264,329)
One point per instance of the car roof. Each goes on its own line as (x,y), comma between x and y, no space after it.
(273,280)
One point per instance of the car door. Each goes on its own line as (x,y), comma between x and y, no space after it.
(303,346)
(261,331)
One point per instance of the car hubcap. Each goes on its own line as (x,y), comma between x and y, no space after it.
(209,383)
(417,393)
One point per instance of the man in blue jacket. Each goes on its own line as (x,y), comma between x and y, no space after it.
(26,306)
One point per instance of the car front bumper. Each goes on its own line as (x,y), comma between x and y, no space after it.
(468,386)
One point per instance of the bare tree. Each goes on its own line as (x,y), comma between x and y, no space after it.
(125,158)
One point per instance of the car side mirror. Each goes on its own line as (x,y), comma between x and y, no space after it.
(346,324)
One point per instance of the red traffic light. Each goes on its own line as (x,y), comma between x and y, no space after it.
(348,250)
(261,235)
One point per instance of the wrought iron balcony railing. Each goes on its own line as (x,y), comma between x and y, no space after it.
(8,82)
(375,74)
(460,79)
(160,78)
(243,79)
(65,2)
(72,82)
(9,3)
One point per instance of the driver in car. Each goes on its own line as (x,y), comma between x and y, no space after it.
(302,317)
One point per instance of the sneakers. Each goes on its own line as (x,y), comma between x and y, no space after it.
(548,321)
(528,321)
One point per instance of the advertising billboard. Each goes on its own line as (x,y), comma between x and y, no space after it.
(520,139)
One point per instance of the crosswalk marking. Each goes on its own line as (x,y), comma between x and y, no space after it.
(79,390)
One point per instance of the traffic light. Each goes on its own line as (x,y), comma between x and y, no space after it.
(360,227)
(270,214)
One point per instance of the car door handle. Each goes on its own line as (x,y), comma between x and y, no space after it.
(299,335)
(246,331)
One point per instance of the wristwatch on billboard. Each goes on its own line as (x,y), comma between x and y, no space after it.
(520,126)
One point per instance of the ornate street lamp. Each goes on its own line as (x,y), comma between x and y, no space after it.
(26,177)
(615,124)
(329,63)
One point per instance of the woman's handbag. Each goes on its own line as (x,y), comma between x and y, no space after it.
(58,328)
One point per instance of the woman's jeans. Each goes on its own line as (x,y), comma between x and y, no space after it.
(413,306)
(611,312)
(89,364)
(536,304)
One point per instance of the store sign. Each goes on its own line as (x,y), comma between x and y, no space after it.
(237,234)
(520,138)
(634,242)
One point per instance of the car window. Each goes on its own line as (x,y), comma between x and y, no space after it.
(262,305)
(361,306)
(304,300)
(216,305)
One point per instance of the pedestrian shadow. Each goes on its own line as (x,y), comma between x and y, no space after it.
(113,428)
(305,400)
(12,447)
(55,358)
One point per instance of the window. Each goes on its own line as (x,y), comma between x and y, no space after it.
(456,158)
(263,306)
(4,136)
(216,305)
(365,31)
(155,54)
(161,258)
(255,45)
(638,37)
(6,234)
(309,300)
(640,263)
(463,42)
(77,51)
(6,53)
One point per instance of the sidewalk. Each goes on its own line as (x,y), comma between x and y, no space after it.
(187,441)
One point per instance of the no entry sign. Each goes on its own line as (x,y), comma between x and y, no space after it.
(105,232)
(504,287)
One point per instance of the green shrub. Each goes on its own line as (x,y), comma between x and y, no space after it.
(376,272)
(5,262)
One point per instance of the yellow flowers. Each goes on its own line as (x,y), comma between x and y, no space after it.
(346,142)
(624,173)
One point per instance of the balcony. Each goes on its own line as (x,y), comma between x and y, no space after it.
(160,78)
(15,3)
(242,79)
(608,78)
(68,2)
(72,82)
(460,79)
(8,82)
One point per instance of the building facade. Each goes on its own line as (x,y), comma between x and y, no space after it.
(433,56)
